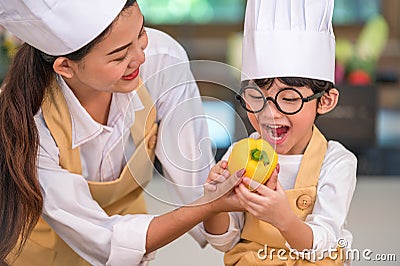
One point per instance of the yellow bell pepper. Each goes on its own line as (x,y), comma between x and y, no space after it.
(256,156)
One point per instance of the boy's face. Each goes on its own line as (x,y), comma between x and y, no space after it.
(289,134)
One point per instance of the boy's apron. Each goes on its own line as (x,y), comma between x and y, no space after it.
(256,233)
(121,196)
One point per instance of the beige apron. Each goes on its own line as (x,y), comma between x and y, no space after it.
(256,233)
(121,196)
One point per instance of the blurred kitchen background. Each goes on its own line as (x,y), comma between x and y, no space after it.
(367,120)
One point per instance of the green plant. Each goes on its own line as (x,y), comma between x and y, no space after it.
(8,47)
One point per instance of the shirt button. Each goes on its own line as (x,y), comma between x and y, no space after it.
(304,201)
(152,142)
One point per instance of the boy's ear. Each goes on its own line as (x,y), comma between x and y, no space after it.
(64,67)
(328,101)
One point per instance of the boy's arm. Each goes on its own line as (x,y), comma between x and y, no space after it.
(222,230)
(225,241)
(217,224)
(297,234)
(269,203)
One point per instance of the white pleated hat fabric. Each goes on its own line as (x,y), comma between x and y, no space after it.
(288,38)
(58,27)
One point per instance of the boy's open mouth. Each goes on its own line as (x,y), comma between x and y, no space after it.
(276,132)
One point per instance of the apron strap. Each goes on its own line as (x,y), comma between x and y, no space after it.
(311,163)
(58,120)
(146,116)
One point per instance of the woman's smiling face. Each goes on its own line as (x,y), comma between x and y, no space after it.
(113,64)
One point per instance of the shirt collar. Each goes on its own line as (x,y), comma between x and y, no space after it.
(85,128)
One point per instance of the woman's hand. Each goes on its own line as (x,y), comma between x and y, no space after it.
(218,174)
(219,191)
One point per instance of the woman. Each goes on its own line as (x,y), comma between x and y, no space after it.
(76,115)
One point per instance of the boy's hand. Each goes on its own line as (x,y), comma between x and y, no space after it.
(267,202)
(272,182)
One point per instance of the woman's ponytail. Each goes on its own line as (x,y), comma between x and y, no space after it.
(21,96)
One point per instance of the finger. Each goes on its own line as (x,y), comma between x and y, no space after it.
(218,169)
(242,200)
(223,168)
(222,188)
(279,188)
(220,179)
(230,183)
(226,173)
(271,182)
(246,194)
(257,187)
(223,164)
(252,184)
(210,187)
(252,202)
(214,176)
(217,179)
(247,199)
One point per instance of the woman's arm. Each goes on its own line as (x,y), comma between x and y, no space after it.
(217,224)
(166,228)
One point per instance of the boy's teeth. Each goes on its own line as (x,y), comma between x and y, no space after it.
(275,126)
(272,132)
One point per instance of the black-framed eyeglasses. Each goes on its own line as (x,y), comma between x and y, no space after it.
(288,101)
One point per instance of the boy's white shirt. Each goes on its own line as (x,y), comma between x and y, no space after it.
(68,205)
(335,190)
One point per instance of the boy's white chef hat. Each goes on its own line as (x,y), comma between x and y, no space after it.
(288,38)
(58,27)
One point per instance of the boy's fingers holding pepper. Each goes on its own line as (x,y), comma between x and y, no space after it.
(273,180)
(258,187)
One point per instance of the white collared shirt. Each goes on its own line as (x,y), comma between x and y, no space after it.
(335,189)
(104,149)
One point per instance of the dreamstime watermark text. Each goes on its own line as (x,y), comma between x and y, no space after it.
(341,251)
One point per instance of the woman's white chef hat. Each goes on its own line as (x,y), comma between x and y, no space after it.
(58,27)
(288,38)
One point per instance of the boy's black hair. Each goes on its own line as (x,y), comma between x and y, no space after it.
(315,85)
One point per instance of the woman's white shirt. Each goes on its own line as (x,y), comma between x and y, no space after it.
(335,190)
(104,149)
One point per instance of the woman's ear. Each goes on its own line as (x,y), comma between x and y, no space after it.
(328,101)
(64,67)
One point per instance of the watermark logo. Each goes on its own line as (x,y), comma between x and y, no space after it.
(341,252)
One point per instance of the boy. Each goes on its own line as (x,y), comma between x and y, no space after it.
(287,81)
